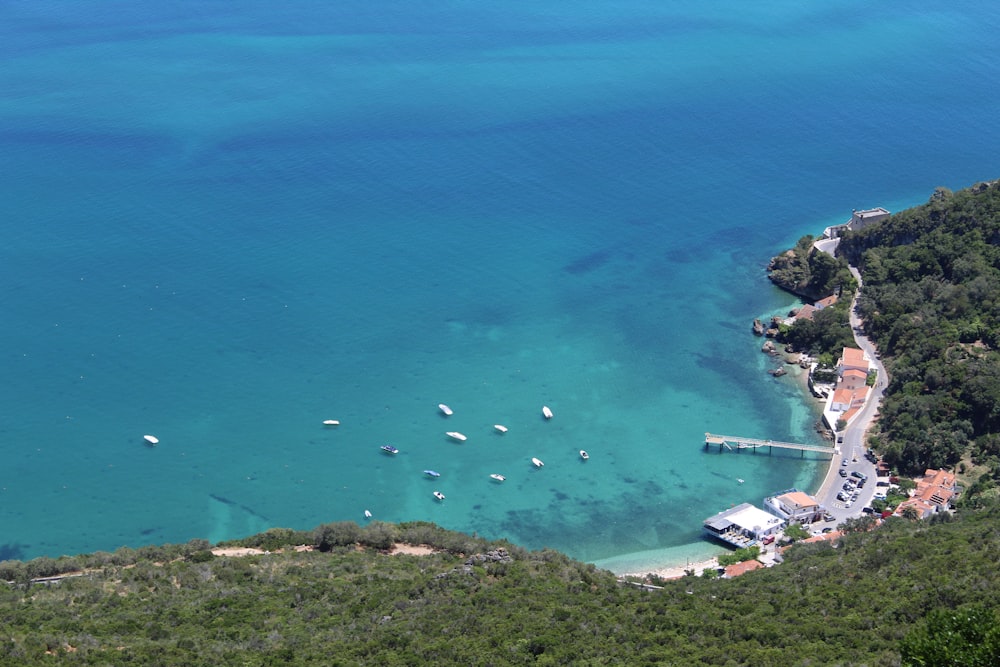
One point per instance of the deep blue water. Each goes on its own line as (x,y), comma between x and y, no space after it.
(226,222)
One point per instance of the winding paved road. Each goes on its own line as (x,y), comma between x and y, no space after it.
(853,446)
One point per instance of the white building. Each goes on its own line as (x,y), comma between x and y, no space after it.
(795,505)
(859,220)
(743,525)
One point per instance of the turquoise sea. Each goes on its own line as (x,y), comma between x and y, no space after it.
(223,223)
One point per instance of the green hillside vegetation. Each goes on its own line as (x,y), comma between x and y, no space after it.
(474,602)
(809,273)
(931,302)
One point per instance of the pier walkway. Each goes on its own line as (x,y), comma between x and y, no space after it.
(737,443)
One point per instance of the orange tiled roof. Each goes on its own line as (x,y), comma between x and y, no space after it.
(736,569)
(843,395)
(852,356)
(799,499)
(825,537)
(828,301)
(805,312)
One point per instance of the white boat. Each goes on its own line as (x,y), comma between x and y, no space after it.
(457,436)
(500,427)
(368,514)
(331,422)
(151,439)
(439,495)
(445,409)
(498,477)
(584,455)
(739,480)
(432,473)
(538,462)
(389,449)
(546,412)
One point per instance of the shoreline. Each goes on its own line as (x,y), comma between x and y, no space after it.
(667,567)
(675,571)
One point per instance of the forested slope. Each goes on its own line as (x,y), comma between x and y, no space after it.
(859,604)
(931,302)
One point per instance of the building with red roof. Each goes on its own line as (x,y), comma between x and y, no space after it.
(737,569)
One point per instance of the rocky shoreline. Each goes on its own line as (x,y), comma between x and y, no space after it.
(784,356)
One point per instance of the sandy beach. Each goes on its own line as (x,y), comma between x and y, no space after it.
(676,571)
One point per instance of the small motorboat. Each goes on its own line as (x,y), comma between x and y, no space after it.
(498,477)
(538,462)
(448,412)
(500,427)
(739,480)
(439,495)
(584,455)
(389,449)
(368,514)
(456,435)
(151,439)
(331,422)
(432,473)
(546,412)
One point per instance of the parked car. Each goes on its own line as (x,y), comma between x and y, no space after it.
(880,495)
(881,483)
(843,473)
(857,474)
(843,462)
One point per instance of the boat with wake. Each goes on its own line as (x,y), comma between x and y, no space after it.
(498,477)
(455,435)
(389,449)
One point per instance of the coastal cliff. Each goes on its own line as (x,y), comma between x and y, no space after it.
(807,272)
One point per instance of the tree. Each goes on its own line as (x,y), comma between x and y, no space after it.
(795,532)
(965,638)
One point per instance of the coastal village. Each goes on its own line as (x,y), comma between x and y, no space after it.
(850,397)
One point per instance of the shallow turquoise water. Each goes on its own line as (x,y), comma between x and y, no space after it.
(225,224)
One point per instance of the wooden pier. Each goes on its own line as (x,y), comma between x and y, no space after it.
(736,443)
